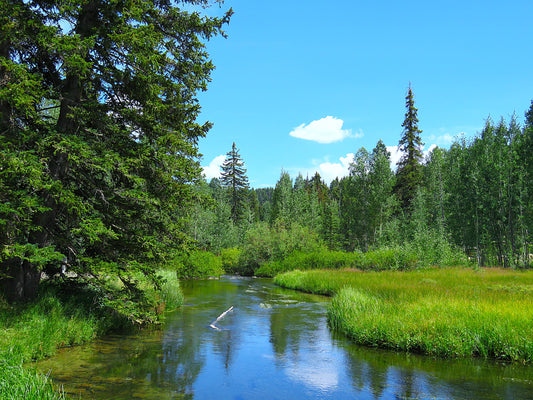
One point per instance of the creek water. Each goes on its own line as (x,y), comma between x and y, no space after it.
(274,344)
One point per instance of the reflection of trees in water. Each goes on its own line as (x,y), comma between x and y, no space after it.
(288,330)
(165,366)
(408,376)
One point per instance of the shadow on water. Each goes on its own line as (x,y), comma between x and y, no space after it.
(275,344)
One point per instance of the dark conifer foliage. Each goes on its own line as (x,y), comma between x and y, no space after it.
(98,136)
(234,179)
(409,172)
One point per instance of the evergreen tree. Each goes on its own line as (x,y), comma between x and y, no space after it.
(98,137)
(381,180)
(409,172)
(282,200)
(235,181)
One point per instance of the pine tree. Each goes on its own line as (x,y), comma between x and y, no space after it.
(409,172)
(98,136)
(282,201)
(235,181)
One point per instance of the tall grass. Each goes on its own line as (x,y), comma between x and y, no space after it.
(17,382)
(60,317)
(36,330)
(441,312)
(171,293)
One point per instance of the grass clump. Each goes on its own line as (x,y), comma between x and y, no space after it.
(17,382)
(171,294)
(36,330)
(440,312)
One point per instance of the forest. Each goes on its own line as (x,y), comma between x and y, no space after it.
(469,204)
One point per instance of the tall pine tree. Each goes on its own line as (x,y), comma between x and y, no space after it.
(235,181)
(409,172)
(98,137)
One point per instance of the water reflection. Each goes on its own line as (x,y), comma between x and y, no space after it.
(274,345)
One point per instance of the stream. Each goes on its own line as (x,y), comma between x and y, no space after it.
(274,344)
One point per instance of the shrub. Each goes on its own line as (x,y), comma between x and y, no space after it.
(230,259)
(390,258)
(263,243)
(322,259)
(199,264)
(395,258)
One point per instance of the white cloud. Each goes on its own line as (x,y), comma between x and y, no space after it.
(395,155)
(324,130)
(442,140)
(328,170)
(213,169)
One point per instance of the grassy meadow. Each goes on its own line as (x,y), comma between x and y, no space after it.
(448,312)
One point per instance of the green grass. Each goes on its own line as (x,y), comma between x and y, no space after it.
(36,330)
(171,293)
(442,312)
(58,318)
(17,382)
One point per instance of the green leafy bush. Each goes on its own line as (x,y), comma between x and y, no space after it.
(390,258)
(230,259)
(395,258)
(322,259)
(199,264)
(263,243)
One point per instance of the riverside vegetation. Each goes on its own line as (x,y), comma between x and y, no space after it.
(446,312)
(60,317)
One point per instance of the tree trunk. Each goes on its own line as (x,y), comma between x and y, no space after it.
(22,281)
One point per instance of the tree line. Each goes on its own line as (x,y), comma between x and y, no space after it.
(475,197)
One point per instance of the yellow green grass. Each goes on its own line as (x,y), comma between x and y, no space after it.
(448,312)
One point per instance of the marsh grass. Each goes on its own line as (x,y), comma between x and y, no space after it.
(442,312)
(36,330)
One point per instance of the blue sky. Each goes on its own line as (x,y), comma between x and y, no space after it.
(302,85)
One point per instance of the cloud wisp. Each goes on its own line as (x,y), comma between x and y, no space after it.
(325,130)
(213,169)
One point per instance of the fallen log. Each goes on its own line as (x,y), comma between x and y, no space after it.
(213,324)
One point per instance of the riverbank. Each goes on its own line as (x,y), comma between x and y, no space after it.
(56,319)
(449,312)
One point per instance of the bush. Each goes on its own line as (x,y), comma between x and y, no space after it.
(322,259)
(199,264)
(435,249)
(230,259)
(390,258)
(396,258)
(263,243)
